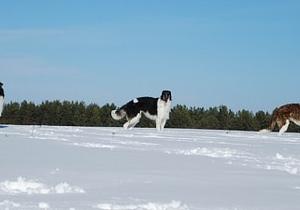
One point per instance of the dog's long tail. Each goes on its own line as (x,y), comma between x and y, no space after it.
(118,114)
(273,122)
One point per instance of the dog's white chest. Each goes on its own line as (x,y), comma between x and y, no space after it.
(163,109)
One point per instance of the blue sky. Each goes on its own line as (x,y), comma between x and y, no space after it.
(243,54)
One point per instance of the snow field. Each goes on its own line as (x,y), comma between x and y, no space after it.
(49,167)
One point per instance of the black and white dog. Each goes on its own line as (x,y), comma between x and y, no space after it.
(157,109)
(1,98)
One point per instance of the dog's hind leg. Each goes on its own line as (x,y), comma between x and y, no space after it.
(132,122)
(126,125)
(284,127)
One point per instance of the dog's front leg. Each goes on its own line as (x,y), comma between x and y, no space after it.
(158,124)
(163,123)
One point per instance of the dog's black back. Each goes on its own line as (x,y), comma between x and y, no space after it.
(145,104)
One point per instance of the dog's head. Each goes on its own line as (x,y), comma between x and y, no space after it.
(166,95)
(1,84)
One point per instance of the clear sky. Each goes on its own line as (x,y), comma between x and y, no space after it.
(243,54)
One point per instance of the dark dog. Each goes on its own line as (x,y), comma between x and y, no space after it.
(1,98)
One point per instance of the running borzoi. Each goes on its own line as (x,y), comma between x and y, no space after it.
(282,117)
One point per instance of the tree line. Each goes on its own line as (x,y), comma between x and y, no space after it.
(74,113)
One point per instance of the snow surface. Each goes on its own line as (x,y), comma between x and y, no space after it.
(80,168)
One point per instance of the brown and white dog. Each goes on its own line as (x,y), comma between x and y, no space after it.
(282,117)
